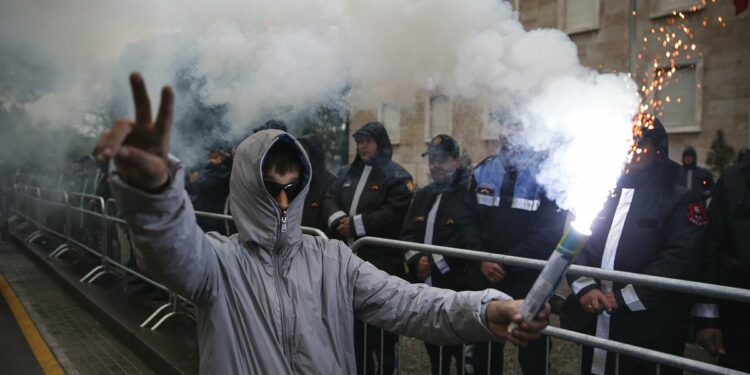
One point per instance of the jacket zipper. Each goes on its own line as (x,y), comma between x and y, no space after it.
(280,240)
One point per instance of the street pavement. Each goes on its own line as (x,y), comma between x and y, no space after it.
(78,342)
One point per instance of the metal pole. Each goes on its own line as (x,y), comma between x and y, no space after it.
(641,353)
(632,38)
(677,285)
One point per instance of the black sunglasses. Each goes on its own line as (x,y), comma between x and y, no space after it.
(291,189)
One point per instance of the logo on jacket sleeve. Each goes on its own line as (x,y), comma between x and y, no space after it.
(697,214)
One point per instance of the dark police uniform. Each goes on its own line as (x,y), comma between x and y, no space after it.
(438,216)
(729,264)
(512,216)
(313,215)
(651,226)
(695,178)
(375,196)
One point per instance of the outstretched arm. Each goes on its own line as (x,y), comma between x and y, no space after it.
(150,193)
(436,315)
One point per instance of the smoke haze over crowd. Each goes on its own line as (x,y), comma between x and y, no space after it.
(235,64)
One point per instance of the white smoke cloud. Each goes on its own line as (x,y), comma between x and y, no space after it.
(256,59)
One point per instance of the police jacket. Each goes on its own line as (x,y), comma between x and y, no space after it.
(271,300)
(313,215)
(213,187)
(375,196)
(512,216)
(649,226)
(728,257)
(439,216)
(695,178)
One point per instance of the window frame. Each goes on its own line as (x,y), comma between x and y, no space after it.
(562,21)
(394,137)
(428,116)
(656,8)
(698,105)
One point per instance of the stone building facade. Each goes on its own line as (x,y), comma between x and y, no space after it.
(710,89)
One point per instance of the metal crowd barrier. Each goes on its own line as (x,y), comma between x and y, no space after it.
(661,359)
(71,216)
(82,212)
(33,204)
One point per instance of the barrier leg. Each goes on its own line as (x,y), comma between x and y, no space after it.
(21,226)
(92,272)
(58,251)
(33,236)
(174,303)
(155,314)
(103,272)
(163,319)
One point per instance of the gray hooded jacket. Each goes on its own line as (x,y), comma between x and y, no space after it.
(271,300)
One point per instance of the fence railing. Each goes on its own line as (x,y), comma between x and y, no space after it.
(677,285)
(42,209)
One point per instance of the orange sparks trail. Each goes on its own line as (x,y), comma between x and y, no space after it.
(677,42)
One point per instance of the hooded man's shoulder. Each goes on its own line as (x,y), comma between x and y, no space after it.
(324,248)
(323,245)
(222,243)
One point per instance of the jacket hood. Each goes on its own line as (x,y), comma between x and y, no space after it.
(664,171)
(256,213)
(690,151)
(314,150)
(377,130)
(659,135)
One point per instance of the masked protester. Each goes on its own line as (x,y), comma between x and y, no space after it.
(511,215)
(313,215)
(269,299)
(723,328)
(652,226)
(438,216)
(370,198)
(693,177)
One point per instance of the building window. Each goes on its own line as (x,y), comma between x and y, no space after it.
(390,115)
(577,16)
(440,116)
(660,8)
(680,97)
(490,127)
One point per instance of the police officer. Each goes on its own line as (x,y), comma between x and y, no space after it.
(370,198)
(512,216)
(652,226)
(693,177)
(213,187)
(438,216)
(724,328)
(312,215)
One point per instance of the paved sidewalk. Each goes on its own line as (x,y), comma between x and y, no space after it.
(79,343)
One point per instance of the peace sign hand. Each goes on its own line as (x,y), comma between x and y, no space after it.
(140,147)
